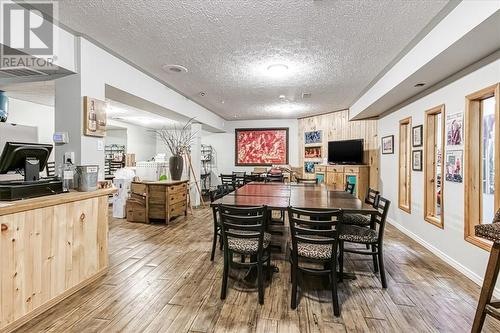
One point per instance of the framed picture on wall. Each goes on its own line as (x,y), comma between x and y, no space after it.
(416,159)
(454,129)
(261,146)
(94,114)
(312,137)
(417,136)
(454,162)
(388,144)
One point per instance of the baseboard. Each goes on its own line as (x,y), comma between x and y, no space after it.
(443,256)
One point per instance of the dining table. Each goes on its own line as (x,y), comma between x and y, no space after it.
(279,196)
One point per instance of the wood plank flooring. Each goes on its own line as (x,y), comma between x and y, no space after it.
(162,280)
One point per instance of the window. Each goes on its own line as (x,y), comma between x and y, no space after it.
(434,166)
(482,158)
(404,197)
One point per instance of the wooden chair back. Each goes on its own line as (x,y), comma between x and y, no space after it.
(276,178)
(314,227)
(349,187)
(383,205)
(307,180)
(243,223)
(372,197)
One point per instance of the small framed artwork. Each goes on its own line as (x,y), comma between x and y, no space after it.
(417,136)
(312,152)
(94,112)
(416,160)
(454,129)
(454,161)
(309,167)
(388,144)
(312,137)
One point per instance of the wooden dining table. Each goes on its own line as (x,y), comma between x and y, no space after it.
(279,196)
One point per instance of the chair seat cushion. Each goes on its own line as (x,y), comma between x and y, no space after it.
(356,219)
(488,231)
(355,234)
(247,245)
(314,251)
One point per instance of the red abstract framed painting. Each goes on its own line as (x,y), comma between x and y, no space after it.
(261,146)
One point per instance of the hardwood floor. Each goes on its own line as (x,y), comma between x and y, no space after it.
(161,280)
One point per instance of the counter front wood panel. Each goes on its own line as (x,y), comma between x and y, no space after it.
(50,252)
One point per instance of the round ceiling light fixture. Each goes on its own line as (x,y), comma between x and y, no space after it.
(174,68)
(277,70)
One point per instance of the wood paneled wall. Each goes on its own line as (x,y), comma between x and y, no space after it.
(336,126)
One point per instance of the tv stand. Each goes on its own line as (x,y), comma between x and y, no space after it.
(337,175)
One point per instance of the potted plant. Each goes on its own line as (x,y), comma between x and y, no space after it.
(178,142)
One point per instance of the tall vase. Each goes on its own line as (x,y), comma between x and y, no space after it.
(175,165)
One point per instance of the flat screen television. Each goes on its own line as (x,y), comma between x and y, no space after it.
(345,152)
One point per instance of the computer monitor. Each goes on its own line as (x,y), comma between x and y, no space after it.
(27,158)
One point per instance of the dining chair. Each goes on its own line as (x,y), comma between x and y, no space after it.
(275,178)
(214,195)
(251,178)
(360,219)
(229,180)
(306,180)
(368,236)
(349,187)
(239,178)
(243,232)
(315,238)
(485,305)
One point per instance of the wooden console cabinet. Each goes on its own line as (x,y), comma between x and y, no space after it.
(338,175)
(162,200)
(50,248)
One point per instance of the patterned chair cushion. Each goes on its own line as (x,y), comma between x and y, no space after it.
(490,231)
(356,219)
(355,234)
(314,251)
(247,245)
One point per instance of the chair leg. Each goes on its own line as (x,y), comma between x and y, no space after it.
(214,243)
(260,282)
(294,285)
(341,260)
(375,262)
(490,278)
(335,296)
(269,273)
(381,265)
(225,275)
(221,242)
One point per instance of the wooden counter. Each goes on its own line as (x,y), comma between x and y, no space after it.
(50,247)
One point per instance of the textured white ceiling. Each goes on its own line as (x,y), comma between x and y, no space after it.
(333,49)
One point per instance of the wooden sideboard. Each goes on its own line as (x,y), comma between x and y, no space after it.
(50,247)
(338,175)
(161,200)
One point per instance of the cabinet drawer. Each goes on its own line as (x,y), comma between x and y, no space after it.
(335,168)
(177,188)
(351,170)
(176,197)
(319,168)
(177,209)
(156,211)
(138,188)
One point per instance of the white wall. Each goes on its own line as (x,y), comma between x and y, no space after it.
(32,114)
(448,243)
(140,141)
(223,144)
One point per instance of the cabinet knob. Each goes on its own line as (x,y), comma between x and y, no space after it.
(5,227)
(82,217)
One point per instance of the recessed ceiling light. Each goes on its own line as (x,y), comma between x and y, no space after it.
(174,69)
(420,84)
(202,93)
(282,97)
(277,69)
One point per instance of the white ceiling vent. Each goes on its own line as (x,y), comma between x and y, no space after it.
(20,72)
